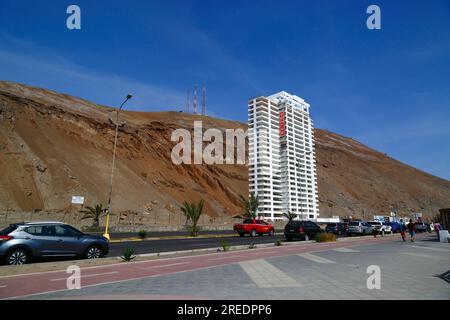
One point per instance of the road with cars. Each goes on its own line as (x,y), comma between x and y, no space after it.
(166,245)
(165,234)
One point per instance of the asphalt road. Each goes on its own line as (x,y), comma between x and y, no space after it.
(154,246)
(151,234)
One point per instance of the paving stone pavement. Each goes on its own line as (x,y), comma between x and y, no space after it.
(408,271)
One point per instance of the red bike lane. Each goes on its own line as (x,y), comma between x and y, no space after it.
(29,284)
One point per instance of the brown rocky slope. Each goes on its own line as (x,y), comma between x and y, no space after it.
(53,146)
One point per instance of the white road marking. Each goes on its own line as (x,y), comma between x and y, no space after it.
(2,286)
(87,276)
(221,258)
(414,254)
(314,258)
(345,250)
(265,275)
(165,265)
(431,248)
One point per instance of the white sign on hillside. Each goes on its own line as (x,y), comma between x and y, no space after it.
(77,200)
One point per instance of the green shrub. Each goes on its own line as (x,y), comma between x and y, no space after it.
(193,211)
(325,237)
(142,234)
(225,245)
(128,254)
(278,243)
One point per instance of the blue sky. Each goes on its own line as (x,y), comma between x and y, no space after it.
(388,88)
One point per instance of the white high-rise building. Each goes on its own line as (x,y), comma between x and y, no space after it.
(282,166)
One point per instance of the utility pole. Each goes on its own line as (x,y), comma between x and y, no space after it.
(108,210)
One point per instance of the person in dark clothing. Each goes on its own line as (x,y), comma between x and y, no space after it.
(411,229)
(437,227)
(402,229)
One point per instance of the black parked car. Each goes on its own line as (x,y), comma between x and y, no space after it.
(303,230)
(337,228)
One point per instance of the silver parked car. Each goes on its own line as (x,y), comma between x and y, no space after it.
(380,227)
(359,228)
(21,242)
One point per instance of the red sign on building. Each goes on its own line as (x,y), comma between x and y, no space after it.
(282,124)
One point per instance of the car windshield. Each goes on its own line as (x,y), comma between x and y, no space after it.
(354,223)
(8,230)
(374,223)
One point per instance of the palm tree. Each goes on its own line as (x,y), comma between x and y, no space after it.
(193,212)
(93,213)
(289,215)
(251,206)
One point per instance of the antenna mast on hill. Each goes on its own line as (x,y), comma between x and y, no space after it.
(195,100)
(203,100)
(187,101)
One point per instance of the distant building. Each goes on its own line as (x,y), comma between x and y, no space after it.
(282,166)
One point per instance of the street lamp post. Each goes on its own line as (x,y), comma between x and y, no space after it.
(298,164)
(108,210)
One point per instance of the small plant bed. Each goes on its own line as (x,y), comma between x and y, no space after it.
(225,245)
(128,254)
(142,234)
(325,237)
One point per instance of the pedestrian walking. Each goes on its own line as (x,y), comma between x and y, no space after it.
(431,226)
(411,229)
(402,229)
(437,227)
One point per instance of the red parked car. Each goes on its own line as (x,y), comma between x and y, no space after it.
(254,227)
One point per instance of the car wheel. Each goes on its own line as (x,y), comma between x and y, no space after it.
(17,257)
(241,234)
(288,238)
(253,234)
(271,233)
(93,252)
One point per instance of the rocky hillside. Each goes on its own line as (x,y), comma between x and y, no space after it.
(53,146)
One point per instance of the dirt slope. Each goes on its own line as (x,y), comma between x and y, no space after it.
(53,146)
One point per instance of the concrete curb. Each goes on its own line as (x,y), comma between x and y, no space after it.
(242,247)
